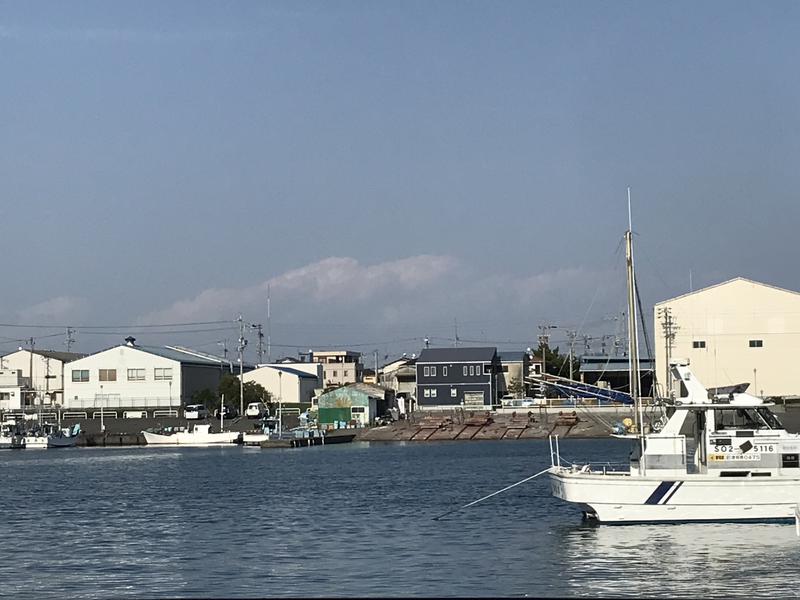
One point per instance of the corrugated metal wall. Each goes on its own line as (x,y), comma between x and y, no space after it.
(331,415)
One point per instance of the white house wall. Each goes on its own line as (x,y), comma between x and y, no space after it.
(21,360)
(726,317)
(293,388)
(150,393)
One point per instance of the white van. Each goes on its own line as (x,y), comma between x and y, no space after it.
(256,410)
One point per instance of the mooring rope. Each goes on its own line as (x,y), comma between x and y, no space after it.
(492,494)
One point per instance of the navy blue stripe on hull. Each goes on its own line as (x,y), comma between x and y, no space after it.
(659,492)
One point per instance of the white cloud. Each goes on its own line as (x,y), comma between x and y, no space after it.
(58,310)
(332,283)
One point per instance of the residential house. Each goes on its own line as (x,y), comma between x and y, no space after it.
(294,388)
(339,367)
(514,368)
(47,367)
(12,387)
(460,376)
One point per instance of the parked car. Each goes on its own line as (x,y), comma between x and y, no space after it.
(228,412)
(195,411)
(256,410)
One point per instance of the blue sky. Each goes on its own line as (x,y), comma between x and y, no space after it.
(388,168)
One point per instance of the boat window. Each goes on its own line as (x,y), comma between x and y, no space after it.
(742,418)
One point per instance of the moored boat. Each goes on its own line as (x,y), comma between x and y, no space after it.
(709,457)
(199,435)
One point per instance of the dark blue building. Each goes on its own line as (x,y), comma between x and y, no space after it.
(450,377)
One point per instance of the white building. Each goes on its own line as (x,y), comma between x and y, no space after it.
(48,371)
(141,377)
(734,332)
(287,383)
(12,385)
(340,367)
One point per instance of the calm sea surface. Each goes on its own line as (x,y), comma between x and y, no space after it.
(350,520)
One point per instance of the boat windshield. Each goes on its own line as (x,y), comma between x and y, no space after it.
(745,418)
(769,418)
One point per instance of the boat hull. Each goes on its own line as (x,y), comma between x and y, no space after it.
(34,442)
(183,438)
(62,441)
(621,498)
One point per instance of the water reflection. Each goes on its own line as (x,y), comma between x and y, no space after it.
(684,560)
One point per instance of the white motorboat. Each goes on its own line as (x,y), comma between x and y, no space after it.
(709,457)
(199,435)
(716,458)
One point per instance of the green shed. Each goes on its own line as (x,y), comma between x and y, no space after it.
(360,402)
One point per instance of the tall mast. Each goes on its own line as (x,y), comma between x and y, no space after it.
(633,337)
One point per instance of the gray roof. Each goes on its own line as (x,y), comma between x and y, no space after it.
(297,372)
(511,356)
(460,354)
(612,363)
(181,356)
(57,355)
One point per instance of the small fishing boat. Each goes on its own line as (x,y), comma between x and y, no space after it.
(199,435)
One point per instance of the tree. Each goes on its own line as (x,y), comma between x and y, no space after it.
(253,392)
(207,398)
(515,387)
(555,362)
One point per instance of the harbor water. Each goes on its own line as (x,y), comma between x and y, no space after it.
(351,520)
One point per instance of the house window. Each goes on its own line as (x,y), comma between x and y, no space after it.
(756,343)
(315,401)
(505,368)
(426,371)
(433,371)
(357,410)
(453,392)
(699,344)
(471,370)
(162,374)
(444,371)
(135,374)
(334,373)
(427,393)
(433,393)
(465,369)
(108,374)
(80,376)
(487,369)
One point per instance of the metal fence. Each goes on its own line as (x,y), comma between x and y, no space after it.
(115,402)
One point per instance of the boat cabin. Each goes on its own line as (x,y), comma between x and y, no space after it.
(733,435)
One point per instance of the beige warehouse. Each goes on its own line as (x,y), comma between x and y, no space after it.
(734,332)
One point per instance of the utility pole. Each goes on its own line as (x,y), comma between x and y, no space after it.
(544,340)
(571,335)
(260,342)
(30,368)
(376,368)
(70,340)
(242,344)
(669,328)
(455,331)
